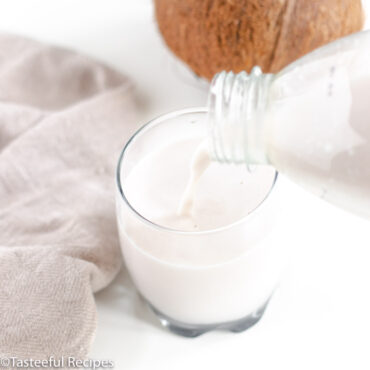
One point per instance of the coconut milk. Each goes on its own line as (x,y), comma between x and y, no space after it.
(209,271)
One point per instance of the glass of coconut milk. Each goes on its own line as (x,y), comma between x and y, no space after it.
(214,266)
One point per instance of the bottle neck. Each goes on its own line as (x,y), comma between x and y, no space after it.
(237,106)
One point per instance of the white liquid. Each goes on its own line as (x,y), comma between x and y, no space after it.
(219,196)
(329,153)
(200,162)
(208,277)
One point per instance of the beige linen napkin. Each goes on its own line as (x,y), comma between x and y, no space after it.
(63,120)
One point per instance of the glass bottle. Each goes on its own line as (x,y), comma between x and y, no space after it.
(311,121)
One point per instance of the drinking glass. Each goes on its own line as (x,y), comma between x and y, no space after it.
(197,281)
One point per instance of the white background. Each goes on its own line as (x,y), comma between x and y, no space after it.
(319,317)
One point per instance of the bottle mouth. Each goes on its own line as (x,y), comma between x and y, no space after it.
(236,106)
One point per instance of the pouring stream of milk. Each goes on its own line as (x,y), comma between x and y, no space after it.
(199,164)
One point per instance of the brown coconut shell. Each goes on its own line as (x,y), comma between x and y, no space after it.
(215,35)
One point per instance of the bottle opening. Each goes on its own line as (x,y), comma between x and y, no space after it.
(237,105)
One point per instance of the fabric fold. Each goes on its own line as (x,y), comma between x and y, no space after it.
(63,121)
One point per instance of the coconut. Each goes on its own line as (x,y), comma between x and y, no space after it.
(215,35)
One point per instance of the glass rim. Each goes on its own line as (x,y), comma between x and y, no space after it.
(141,131)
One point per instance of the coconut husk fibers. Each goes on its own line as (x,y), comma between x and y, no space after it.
(215,35)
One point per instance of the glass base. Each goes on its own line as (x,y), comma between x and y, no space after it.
(192,331)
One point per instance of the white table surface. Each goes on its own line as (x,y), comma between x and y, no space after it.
(319,318)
